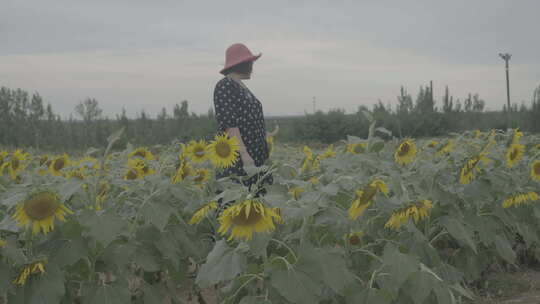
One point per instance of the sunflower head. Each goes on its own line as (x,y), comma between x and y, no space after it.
(354,238)
(380,186)
(202,212)
(247,217)
(138,168)
(432,144)
(201,176)
(296,192)
(40,210)
(141,152)
(270,143)
(223,151)
(406,152)
(30,269)
(196,150)
(58,163)
(447,148)
(357,148)
(514,154)
(329,152)
(535,170)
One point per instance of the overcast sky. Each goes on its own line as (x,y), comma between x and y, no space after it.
(153,54)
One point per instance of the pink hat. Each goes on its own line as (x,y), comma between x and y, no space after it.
(236,54)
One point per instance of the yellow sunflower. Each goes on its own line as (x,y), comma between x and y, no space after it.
(247,217)
(309,160)
(535,170)
(2,243)
(196,150)
(432,144)
(520,199)
(406,152)
(183,170)
(77,173)
(354,238)
(104,188)
(296,192)
(201,177)
(137,169)
(446,149)
(364,198)
(58,163)
(516,136)
(314,180)
(16,164)
(141,152)
(39,210)
(328,153)
(34,268)
(514,154)
(270,143)
(357,148)
(471,167)
(3,160)
(88,163)
(477,134)
(202,212)
(416,211)
(223,151)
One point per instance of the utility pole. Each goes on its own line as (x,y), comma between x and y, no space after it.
(506,57)
(314,104)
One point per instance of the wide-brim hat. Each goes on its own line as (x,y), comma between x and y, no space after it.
(236,54)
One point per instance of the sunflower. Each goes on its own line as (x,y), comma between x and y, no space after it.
(138,168)
(39,211)
(406,152)
(3,157)
(34,268)
(535,170)
(197,151)
(141,152)
(471,167)
(432,144)
(201,177)
(314,180)
(357,148)
(223,151)
(520,199)
(58,163)
(78,173)
(328,153)
(270,143)
(354,237)
(202,212)
(477,134)
(2,243)
(296,192)
(88,163)
(516,136)
(514,154)
(104,188)
(309,161)
(416,211)
(446,149)
(364,198)
(183,170)
(16,164)
(247,217)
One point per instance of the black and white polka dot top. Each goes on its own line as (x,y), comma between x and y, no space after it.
(236,106)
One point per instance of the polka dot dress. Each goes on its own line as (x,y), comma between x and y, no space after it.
(236,106)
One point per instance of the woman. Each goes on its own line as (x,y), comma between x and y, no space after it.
(239,113)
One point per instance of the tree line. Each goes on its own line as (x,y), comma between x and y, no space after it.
(27,121)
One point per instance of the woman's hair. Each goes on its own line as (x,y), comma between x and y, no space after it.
(241,68)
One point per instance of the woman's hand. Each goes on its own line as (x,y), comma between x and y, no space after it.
(246,158)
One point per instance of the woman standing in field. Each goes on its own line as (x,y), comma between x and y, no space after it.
(240,114)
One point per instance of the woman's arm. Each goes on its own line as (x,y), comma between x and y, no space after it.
(244,155)
(273,133)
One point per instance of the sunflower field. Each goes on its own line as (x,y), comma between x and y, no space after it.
(363,221)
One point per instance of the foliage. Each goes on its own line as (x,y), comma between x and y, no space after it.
(128,239)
